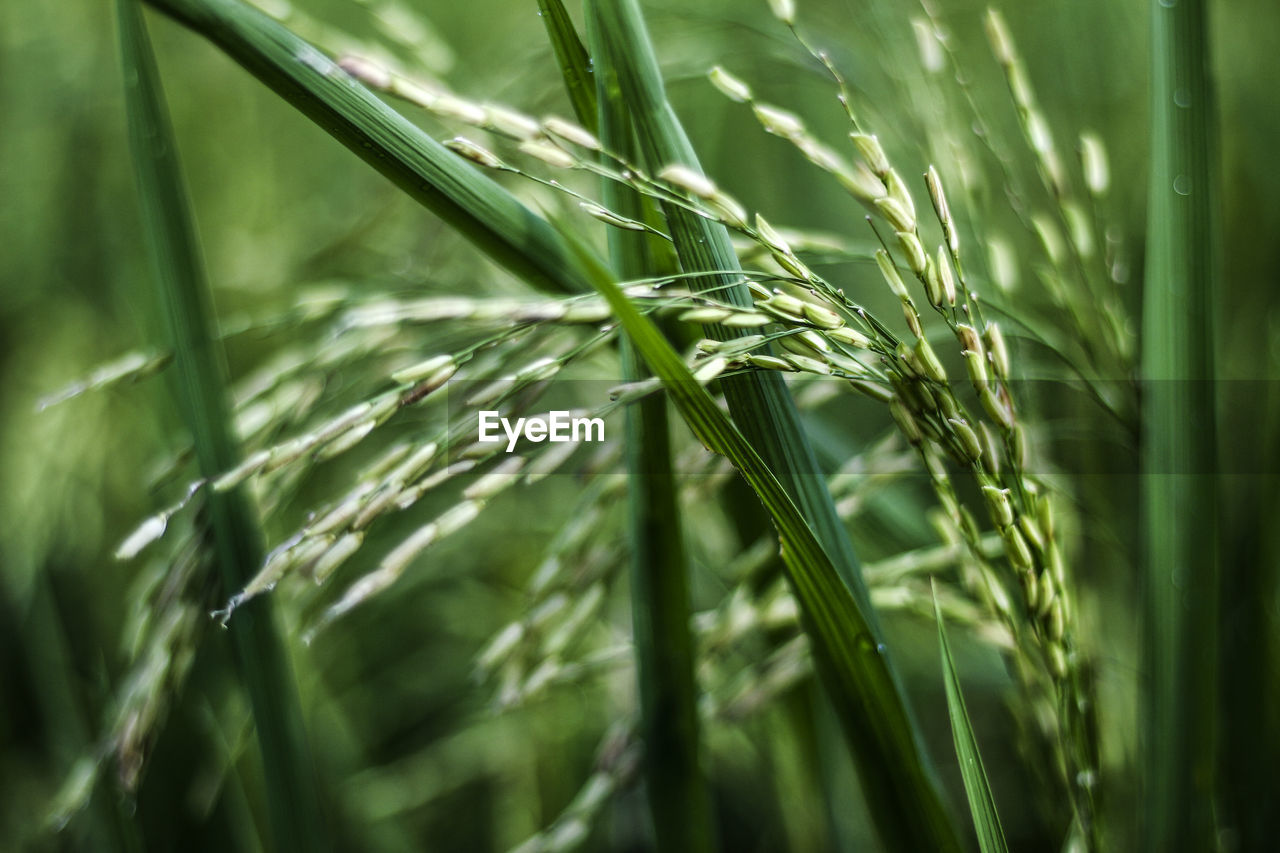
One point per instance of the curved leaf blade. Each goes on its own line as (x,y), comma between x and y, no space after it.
(982,804)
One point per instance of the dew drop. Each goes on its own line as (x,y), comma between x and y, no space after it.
(1182,97)
(1182,185)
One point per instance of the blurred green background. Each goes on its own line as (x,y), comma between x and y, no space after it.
(407,752)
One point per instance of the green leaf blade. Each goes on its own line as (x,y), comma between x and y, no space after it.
(424,169)
(1179,486)
(982,804)
(574,61)
(877,720)
(234,537)
(678,796)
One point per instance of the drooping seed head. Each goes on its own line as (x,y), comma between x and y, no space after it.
(1021,446)
(823,318)
(1093,162)
(968,337)
(890,273)
(999,504)
(868,145)
(861,183)
(552,155)
(509,123)
(366,71)
(727,209)
(705,315)
(996,408)
(906,422)
(570,132)
(917,260)
(778,121)
(146,533)
(898,191)
(976,364)
(474,152)
(710,369)
(608,217)
(805,343)
(895,214)
(538,370)
(946,277)
(990,448)
(422,369)
(452,107)
(929,361)
(1038,133)
(875,390)
(997,349)
(784,305)
(912,316)
(820,155)
(784,10)
(770,236)
(745,320)
(967,439)
(688,179)
(770,362)
(942,209)
(1016,549)
(806,364)
(1031,531)
(850,337)
(733,88)
(933,285)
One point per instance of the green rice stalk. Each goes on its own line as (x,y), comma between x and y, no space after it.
(679,802)
(905,805)
(575,63)
(1178,450)
(982,804)
(200,377)
(428,172)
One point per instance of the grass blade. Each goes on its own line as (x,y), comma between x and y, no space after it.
(233,536)
(575,63)
(1178,450)
(454,190)
(679,802)
(982,805)
(763,409)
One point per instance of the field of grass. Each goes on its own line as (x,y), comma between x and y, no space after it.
(932,348)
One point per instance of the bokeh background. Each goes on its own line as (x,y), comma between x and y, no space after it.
(409,754)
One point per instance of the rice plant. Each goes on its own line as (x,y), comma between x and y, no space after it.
(848,489)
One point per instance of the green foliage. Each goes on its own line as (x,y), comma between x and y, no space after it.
(950,328)
(233,540)
(1179,448)
(982,805)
